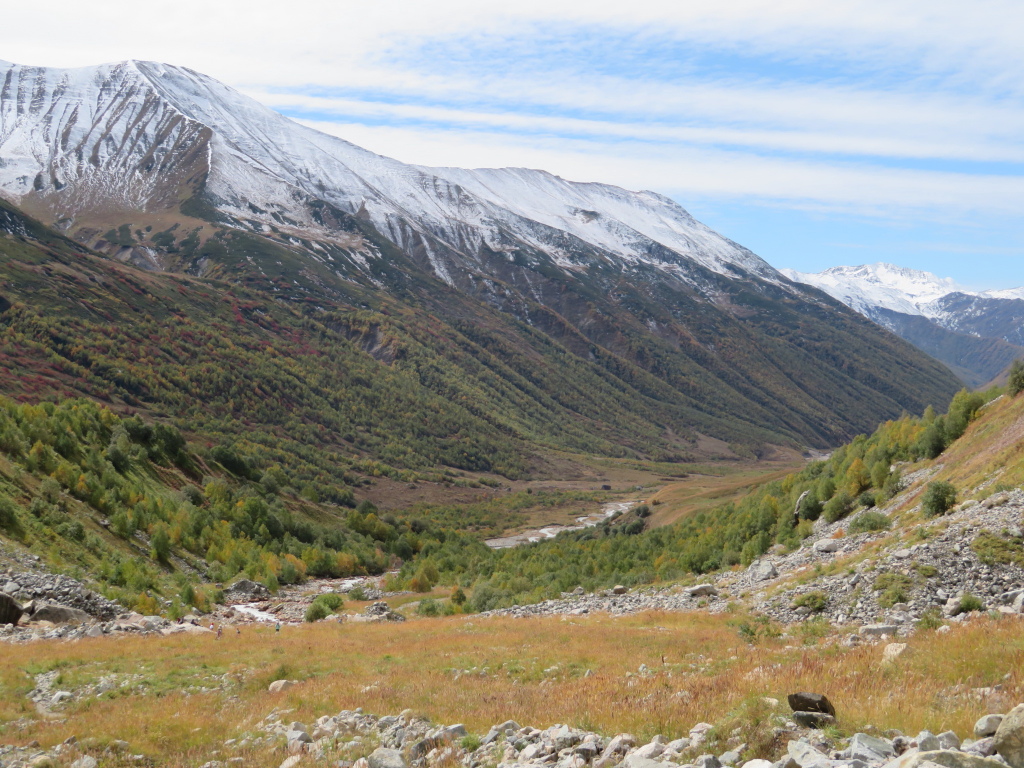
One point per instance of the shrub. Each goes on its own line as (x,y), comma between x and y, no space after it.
(642,511)
(316,612)
(815,601)
(428,607)
(458,597)
(938,499)
(930,619)
(810,508)
(1016,385)
(870,520)
(969,603)
(866,499)
(9,516)
(358,593)
(894,588)
(838,507)
(471,742)
(332,600)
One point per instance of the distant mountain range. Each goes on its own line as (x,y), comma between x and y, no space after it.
(976,333)
(608,320)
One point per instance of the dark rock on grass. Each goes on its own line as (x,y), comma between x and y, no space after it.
(811,702)
(813,719)
(10,610)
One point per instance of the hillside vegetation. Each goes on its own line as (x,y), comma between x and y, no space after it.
(853,480)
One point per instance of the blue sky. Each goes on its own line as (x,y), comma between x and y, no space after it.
(814,133)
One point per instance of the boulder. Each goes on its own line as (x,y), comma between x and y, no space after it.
(879,629)
(1009,737)
(706,761)
(949,740)
(928,742)
(762,570)
(870,749)
(618,589)
(894,651)
(810,702)
(813,719)
(806,756)
(945,758)
(280,685)
(826,546)
(758,763)
(60,614)
(246,591)
(86,761)
(638,761)
(987,726)
(386,758)
(701,590)
(10,610)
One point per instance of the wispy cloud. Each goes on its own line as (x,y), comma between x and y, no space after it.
(896,109)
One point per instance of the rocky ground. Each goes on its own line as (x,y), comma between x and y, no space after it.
(354,739)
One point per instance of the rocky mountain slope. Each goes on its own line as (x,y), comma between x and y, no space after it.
(171,171)
(976,333)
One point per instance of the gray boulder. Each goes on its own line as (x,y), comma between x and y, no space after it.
(762,570)
(701,590)
(810,702)
(10,610)
(246,591)
(826,546)
(386,758)
(987,726)
(868,748)
(60,614)
(1009,738)
(806,756)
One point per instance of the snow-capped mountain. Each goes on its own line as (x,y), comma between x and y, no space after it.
(145,136)
(174,171)
(886,286)
(920,306)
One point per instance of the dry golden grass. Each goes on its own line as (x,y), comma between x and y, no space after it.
(535,674)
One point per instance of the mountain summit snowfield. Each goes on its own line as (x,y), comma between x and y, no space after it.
(910,291)
(144,136)
(976,333)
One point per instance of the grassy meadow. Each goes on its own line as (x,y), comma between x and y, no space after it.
(480,671)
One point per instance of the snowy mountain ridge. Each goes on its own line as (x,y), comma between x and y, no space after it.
(145,136)
(869,287)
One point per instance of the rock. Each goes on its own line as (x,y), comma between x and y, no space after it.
(455,732)
(894,651)
(987,726)
(43,761)
(386,758)
(706,761)
(928,742)
(280,685)
(826,546)
(762,570)
(730,757)
(618,589)
(813,719)
(949,740)
(945,758)
(60,614)
(246,591)
(1009,737)
(879,629)
(10,610)
(982,747)
(810,702)
(292,761)
(649,751)
(85,761)
(701,590)
(758,763)
(61,696)
(868,748)
(636,761)
(804,755)
(381,611)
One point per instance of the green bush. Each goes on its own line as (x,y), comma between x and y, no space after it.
(1016,385)
(870,520)
(815,601)
(969,603)
(866,499)
(931,618)
(357,594)
(938,499)
(838,507)
(894,588)
(428,607)
(316,612)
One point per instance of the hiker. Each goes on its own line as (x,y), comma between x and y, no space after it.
(278,627)
(220,631)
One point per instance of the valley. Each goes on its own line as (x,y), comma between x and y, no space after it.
(311,456)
